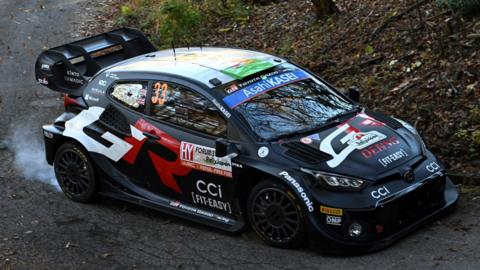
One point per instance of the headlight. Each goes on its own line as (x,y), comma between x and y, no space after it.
(337,182)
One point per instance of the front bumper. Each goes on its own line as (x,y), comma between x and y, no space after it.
(390,220)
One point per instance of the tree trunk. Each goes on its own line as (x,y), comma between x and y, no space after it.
(324,8)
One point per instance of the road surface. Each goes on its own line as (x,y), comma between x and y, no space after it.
(41,229)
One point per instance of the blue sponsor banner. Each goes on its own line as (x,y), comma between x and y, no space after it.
(266,84)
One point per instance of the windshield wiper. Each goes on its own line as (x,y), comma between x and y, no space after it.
(332,121)
(355,110)
(310,130)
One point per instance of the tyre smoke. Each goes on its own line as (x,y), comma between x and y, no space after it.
(29,160)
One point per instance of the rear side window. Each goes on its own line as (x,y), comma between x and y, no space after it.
(131,94)
(183,107)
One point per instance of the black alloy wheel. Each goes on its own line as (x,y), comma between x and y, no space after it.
(275,215)
(75,173)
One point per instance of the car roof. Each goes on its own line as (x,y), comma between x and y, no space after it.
(197,63)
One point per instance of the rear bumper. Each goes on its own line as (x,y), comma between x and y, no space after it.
(388,222)
(52,138)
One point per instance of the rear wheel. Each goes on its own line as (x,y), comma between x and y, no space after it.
(276,215)
(75,173)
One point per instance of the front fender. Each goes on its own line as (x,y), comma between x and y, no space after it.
(295,180)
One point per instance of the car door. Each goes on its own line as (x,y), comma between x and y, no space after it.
(182,126)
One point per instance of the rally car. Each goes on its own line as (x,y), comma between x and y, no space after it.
(234,138)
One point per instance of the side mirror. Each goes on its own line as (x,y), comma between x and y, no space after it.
(354,93)
(225,149)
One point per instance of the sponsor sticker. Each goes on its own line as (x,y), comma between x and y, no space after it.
(333,220)
(210,194)
(102,83)
(387,160)
(185,207)
(97,91)
(221,108)
(266,84)
(432,167)
(299,189)
(379,147)
(331,211)
(263,151)
(203,158)
(91,98)
(112,75)
(45,67)
(43,81)
(306,140)
(231,89)
(380,192)
(353,139)
(363,139)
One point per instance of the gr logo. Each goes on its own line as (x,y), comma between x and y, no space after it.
(432,167)
(380,192)
(210,188)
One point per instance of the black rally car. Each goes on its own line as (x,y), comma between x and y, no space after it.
(229,137)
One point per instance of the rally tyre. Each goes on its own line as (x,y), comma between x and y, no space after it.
(75,173)
(276,215)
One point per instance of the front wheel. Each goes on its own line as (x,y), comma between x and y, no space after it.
(276,215)
(75,173)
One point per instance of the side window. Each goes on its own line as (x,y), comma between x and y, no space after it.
(131,94)
(178,105)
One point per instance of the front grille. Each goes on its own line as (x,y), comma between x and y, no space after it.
(303,152)
(397,214)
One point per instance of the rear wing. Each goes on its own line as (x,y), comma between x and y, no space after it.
(68,67)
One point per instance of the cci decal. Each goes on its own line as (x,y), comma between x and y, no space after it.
(299,189)
(203,158)
(432,167)
(266,84)
(400,154)
(380,192)
(210,194)
(353,140)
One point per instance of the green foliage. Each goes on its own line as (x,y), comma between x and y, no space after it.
(469,132)
(466,6)
(164,21)
(179,21)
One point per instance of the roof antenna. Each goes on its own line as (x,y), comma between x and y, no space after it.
(174,53)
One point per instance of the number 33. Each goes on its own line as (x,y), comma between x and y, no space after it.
(159,98)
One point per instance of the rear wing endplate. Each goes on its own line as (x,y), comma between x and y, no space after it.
(67,68)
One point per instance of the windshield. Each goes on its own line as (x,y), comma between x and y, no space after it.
(291,108)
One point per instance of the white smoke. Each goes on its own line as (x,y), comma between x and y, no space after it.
(29,158)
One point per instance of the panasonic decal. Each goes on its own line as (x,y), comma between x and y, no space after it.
(300,190)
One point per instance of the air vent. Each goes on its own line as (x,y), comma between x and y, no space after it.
(389,121)
(113,118)
(303,152)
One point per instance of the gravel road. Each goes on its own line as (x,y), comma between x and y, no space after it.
(41,229)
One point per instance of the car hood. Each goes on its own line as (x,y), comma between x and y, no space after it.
(362,146)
